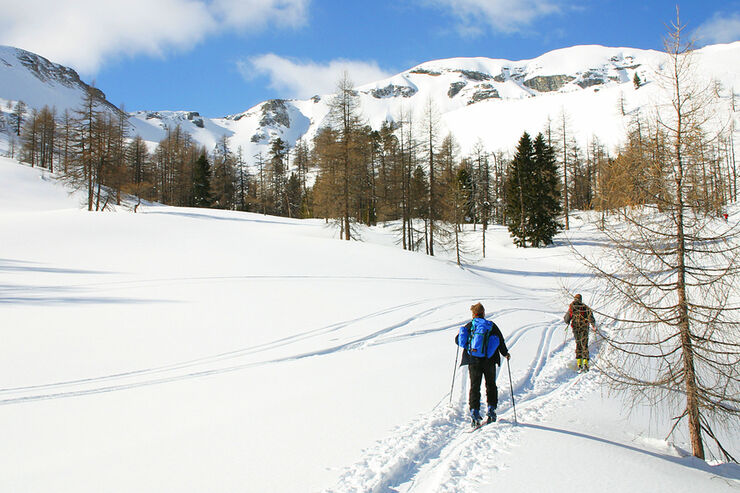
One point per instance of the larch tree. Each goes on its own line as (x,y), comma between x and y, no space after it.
(344,115)
(430,125)
(672,268)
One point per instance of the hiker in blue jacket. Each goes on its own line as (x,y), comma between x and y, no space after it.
(483,343)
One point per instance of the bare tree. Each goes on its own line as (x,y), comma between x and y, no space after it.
(431,124)
(564,134)
(673,268)
(344,115)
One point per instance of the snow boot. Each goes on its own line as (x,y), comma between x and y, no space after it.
(491,414)
(475,418)
(584,365)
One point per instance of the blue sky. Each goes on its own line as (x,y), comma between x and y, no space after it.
(221,57)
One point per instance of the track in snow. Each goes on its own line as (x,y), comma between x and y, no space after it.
(248,357)
(434,453)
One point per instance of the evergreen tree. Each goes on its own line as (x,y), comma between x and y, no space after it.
(546,206)
(533,198)
(294,195)
(518,189)
(17,117)
(202,182)
(277,170)
(224,178)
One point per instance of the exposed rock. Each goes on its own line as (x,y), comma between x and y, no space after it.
(425,72)
(455,88)
(274,112)
(486,92)
(590,82)
(473,75)
(195,117)
(393,91)
(316,98)
(548,83)
(47,71)
(590,79)
(500,77)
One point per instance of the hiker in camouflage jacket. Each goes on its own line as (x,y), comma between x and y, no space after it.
(580,317)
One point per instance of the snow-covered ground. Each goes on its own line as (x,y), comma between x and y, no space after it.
(192,350)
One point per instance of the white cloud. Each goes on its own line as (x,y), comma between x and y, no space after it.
(303,79)
(721,28)
(257,13)
(500,15)
(84,33)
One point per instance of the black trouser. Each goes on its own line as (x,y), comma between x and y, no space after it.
(580,334)
(477,369)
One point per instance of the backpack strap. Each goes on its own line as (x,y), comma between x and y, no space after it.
(485,340)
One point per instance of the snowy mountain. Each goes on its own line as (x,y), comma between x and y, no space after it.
(193,350)
(479,99)
(27,77)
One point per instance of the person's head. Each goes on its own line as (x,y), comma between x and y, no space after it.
(578,298)
(478,311)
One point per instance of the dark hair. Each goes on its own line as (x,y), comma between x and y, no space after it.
(478,310)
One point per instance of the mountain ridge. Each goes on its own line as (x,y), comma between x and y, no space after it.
(471,94)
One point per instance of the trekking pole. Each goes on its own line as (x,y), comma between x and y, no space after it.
(454,372)
(511,386)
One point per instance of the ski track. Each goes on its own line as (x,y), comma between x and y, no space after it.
(436,453)
(433,452)
(240,359)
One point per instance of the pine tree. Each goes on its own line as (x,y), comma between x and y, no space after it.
(16,118)
(533,198)
(518,189)
(294,195)
(202,182)
(637,81)
(224,176)
(277,168)
(546,207)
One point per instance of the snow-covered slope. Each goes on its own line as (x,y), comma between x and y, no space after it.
(494,101)
(38,82)
(199,350)
(479,99)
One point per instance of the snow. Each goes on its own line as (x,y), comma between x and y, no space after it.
(497,123)
(201,350)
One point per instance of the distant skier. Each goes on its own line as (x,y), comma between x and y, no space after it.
(579,317)
(483,342)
